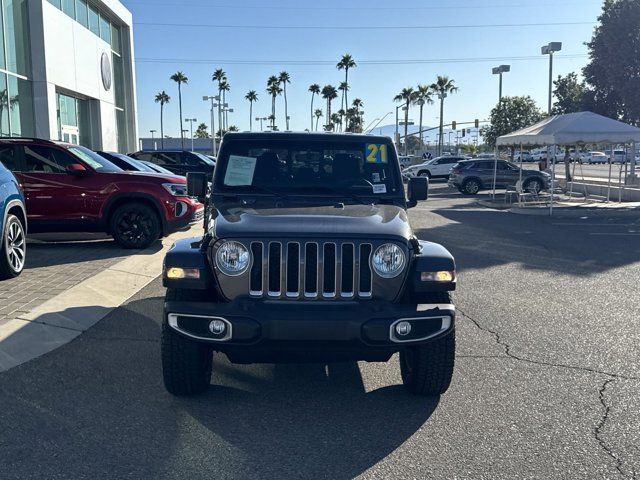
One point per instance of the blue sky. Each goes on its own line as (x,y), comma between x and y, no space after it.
(200,46)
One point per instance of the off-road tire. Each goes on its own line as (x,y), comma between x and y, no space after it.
(427,369)
(186,364)
(14,225)
(145,226)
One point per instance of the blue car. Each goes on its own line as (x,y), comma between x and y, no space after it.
(13,220)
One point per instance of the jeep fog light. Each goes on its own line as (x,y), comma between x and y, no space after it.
(217,327)
(403,329)
(232,258)
(388,260)
(442,276)
(177,273)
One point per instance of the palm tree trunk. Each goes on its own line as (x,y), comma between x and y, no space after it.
(420,126)
(317,120)
(180,103)
(286,108)
(440,142)
(312,95)
(273,112)
(161,125)
(251,116)
(328,112)
(220,109)
(346,90)
(406,127)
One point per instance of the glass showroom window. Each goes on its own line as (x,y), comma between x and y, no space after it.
(69,7)
(15,23)
(105,29)
(94,21)
(4,106)
(82,13)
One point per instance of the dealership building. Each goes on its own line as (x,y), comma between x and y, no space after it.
(67,72)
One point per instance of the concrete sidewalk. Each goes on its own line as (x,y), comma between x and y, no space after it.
(41,324)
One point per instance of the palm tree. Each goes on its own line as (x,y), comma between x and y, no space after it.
(318,114)
(225,87)
(285,78)
(357,105)
(335,119)
(180,78)
(273,89)
(315,90)
(329,93)
(252,96)
(219,76)
(423,95)
(407,95)
(443,87)
(162,98)
(343,87)
(345,63)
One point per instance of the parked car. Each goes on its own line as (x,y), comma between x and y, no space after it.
(13,219)
(126,163)
(405,161)
(177,161)
(526,156)
(310,260)
(439,167)
(71,188)
(619,156)
(593,157)
(471,176)
(156,168)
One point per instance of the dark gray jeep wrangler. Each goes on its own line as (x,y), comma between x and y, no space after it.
(308,256)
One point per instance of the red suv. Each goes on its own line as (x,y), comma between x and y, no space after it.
(71,188)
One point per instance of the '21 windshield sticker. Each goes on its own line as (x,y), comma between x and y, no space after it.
(376,153)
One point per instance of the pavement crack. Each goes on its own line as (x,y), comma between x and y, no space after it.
(508,353)
(600,427)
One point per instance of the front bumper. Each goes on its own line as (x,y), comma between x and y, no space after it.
(273,331)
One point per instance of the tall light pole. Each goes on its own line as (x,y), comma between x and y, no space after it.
(499,71)
(226,110)
(214,105)
(191,120)
(550,50)
(153,134)
(261,119)
(397,139)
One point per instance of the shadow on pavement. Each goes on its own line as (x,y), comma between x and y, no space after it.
(483,238)
(97,408)
(50,253)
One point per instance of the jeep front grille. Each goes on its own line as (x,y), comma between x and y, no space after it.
(310,270)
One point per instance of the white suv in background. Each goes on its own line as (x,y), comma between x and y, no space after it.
(439,167)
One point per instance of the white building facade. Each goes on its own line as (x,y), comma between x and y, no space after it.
(69,72)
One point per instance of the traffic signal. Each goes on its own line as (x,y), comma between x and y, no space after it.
(453,125)
(477,123)
(464,132)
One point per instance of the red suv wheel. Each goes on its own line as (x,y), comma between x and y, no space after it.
(135,225)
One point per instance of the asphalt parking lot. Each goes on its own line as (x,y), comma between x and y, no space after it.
(547,381)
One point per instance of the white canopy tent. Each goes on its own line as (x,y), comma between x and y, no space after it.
(573,129)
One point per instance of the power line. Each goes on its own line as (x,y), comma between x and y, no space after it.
(360,27)
(360,62)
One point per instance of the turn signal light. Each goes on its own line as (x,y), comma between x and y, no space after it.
(177,273)
(442,276)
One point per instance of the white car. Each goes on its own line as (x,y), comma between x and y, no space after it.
(619,156)
(439,167)
(593,157)
(405,161)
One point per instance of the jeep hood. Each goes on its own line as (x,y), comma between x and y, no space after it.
(350,221)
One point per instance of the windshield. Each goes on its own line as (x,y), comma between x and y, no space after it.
(95,161)
(350,168)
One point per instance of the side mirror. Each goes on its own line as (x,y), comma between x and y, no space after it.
(77,169)
(196,184)
(418,189)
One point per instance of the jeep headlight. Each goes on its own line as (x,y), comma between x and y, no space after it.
(232,258)
(388,260)
(176,189)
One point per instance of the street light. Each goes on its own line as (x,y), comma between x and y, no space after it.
(441,97)
(397,139)
(191,120)
(153,134)
(499,71)
(550,50)
(226,110)
(214,105)
(261,119)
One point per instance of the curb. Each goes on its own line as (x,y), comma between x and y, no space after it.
(66,316)
(577,212)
